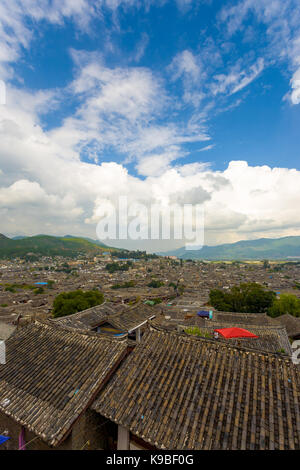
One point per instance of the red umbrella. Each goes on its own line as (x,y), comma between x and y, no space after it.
(235,333)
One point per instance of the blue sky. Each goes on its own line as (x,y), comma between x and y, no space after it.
(157,97)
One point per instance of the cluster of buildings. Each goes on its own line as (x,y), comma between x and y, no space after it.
(128,374)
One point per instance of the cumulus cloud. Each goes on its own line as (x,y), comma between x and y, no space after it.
(191,196)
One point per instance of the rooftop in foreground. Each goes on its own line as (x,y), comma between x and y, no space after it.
(178,392)
(52,375)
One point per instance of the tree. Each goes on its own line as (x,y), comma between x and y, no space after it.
(220,300)
(68,303)
(248,297)
(172,284)
(266,264)
(287,303)
(180,289)
(125,285)
(155,284)
(39,290)
(113,267)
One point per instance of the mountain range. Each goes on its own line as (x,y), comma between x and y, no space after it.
(263,248)
(71,246)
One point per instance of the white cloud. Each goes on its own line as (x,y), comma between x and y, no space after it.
(24,194)
(182,4)
(207,147)
(119,110)
(188,67)
(155,164)
(15,32)
(141,47)
(185,64)
(19,22)
(281,19)
(237,79)
(294,53)
(295,94)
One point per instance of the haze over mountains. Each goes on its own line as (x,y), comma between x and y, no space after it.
(71,246)
(263,248)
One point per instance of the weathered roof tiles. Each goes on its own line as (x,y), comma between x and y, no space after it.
(89,318)
(52,375)
(122,317)
(178,392)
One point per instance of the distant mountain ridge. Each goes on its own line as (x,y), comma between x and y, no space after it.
(46,245)
(262,248)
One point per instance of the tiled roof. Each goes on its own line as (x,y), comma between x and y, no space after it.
(121,317)
(6,330)
(51,375)
(292,324)
(178,392)
(270,338)
(130,319)
(249,318)
(88,319)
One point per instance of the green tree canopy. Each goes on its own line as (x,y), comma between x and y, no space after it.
(67,303)
(287,303)
(248,297)
(266,264)
(113,267)
(155,284)
(125,285)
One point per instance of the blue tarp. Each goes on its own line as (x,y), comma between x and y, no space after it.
(41,283)
(3,439)
(205,314)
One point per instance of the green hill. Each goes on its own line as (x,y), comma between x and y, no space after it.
(263,248)
(45,245)
(97,242)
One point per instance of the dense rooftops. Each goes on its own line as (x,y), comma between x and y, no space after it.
(178,392)
(172,390)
